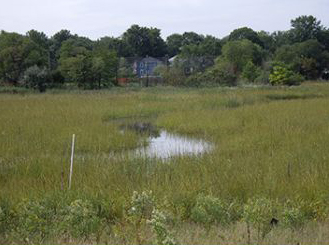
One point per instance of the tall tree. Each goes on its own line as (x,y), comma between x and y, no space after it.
(191,38)
(39,38)
(267,41)
(308,58)
(114,44)
(144,41)
(17,53)
(305,27)
(245,33)
(323,38)
(75,62)
(104,66)
(238,53)
(55,46)
(174,44)
(210,46)
(281,38)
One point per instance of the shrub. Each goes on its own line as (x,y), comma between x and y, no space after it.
(258,213)
(209,210)
(293,217)
(283,76)
(7,218)
(173,75)
(296,213)
(35,221)
(142,204)
(158,223)
(81,220)
(223,72)
(57,79)
(250,72)
(36,78)
(2,221)
(219,75)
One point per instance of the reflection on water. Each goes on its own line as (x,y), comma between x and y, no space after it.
(166,145)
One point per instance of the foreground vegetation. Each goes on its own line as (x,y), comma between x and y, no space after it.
(270,163)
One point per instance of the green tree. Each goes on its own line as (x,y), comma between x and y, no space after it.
(313,59)
(104,66)
(250,72)
(174,43)
(238,53)
(191,43)
(281,38)
(73,47)
(210,46)
(323,38)
(78,70)
(289,55)
(143,41)
(191,38)
(114,44)
(39,38)
(55,46)
(267,41)
(17,53)
(305,27)
(245,33)
(75,63)
(60,37)
(281,75)
(36,78)
(308,58)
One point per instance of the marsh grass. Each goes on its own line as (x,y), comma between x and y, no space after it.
(269,142)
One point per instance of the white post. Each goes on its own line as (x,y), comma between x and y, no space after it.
(72,156)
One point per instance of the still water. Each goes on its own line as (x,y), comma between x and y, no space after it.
(166,145)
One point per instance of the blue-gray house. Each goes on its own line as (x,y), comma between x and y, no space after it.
(145,67)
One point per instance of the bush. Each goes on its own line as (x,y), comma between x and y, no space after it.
(35,221)
(263,77)
(258,213)
(57,79)
(283,76)
(250,72)
(173,75)
(36,78)
(81,220)
(209,210)
(219,75)
(142,204)
(296,213)
(6,217)
(224,73)
(3,219)
(158,223)
(293,217)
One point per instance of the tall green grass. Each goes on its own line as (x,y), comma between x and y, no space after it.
(269,142)
(276,148)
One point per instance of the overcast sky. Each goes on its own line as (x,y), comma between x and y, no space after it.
(98,18)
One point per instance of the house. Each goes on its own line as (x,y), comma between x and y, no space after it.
(145,67)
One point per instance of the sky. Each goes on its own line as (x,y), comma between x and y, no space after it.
(99,18)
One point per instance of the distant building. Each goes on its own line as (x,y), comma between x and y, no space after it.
(325,74)
(172,59)
(145,67)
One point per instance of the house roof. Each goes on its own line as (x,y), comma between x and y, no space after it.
(172,59)
(150,59)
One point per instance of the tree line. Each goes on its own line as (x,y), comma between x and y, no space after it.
(283,57)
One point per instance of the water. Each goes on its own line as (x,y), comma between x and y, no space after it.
(166,145)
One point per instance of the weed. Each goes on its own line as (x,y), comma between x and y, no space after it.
(158,223)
